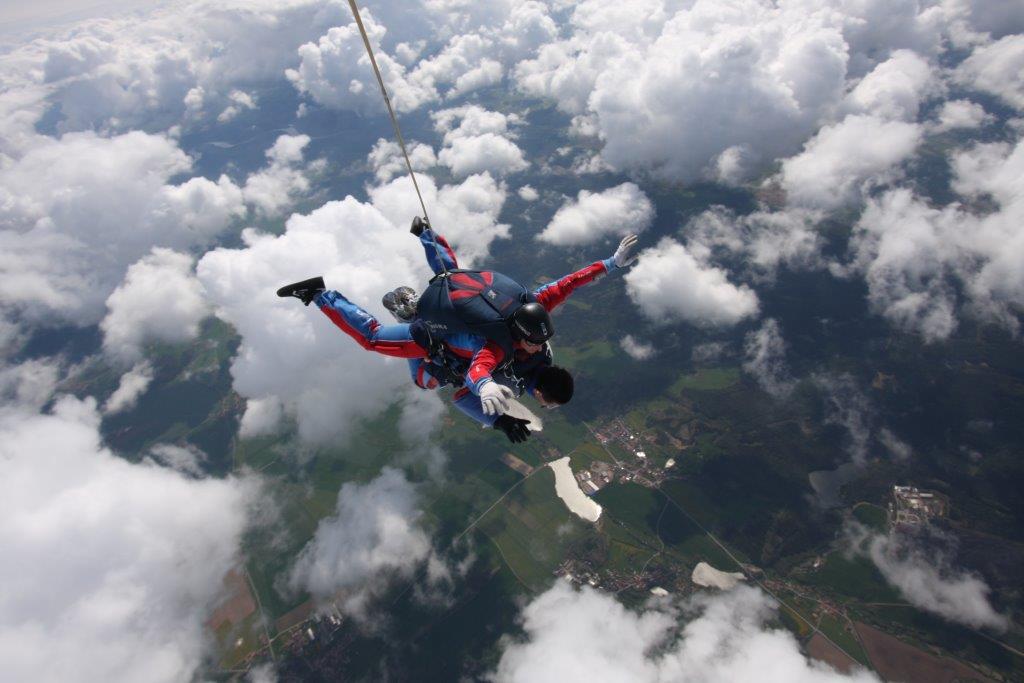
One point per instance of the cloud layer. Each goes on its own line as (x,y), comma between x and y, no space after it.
(373,535)
(926,578)
(89,596)
(568,631)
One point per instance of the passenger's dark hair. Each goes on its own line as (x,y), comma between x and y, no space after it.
(556,384)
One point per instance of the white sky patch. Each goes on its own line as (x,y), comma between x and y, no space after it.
(373,535)
(961,114)
(387,160)
(160,299)
(132,385)
(636,349)
(528,193)
(481,141)
(594,216)
(126,602)
(765,359)
(670,285)
(925,577)
(726,639)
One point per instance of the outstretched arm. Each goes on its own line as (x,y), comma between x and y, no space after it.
(554,294)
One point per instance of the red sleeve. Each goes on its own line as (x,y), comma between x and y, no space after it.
(553,294)
(484,362)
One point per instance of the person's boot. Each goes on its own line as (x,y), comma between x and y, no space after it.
(401,302)
(305,290)
(419,225)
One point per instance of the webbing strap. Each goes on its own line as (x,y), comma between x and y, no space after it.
(394,119)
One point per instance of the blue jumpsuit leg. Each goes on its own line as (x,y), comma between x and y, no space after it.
(388,340)
(438,252)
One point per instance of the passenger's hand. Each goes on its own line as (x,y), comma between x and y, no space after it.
(494,398)
(515,429)
(624,255)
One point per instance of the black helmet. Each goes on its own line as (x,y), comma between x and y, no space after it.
(532,323)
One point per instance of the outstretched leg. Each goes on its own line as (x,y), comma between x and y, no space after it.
(387,340)
(440,255)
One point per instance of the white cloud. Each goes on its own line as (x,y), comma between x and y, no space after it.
(593,216)
(894,89)
(961,114)
(240,101)
(187,460)
(924,264)
(669,284)
(848,407)
(336,72)
(132,385)
(154,69)
(271,190)
(465,213)
(29,384)
(387,160)
(571,633)
(373,535)
(125,602)
(262,417)
(636,349)
(765,240)
(925,577)
(845,159)
(997,68)
(902,250)
(766,359)
(896,446)
(480,142)
(65,251)
(528,193)
(160,299)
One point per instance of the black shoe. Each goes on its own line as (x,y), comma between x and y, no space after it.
(402,303)
(418,225)
(305,290)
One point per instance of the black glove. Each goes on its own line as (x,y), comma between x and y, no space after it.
(514,428)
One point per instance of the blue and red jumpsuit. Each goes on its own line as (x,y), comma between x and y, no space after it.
(481,357)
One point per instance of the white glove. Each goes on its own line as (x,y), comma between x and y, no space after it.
(624,254)
(494,398)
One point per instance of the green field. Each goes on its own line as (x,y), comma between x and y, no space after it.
(855,577)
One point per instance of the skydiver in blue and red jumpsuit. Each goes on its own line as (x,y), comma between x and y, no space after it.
(489,379)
